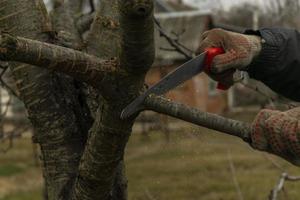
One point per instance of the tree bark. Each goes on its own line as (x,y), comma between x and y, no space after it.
(109,135)
(82,158)
(83,23)
(74,63)
(195,116)
(49,98)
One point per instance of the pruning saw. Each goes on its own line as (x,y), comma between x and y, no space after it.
(175,78)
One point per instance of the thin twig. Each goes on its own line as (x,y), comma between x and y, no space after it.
(149,195)
(275,164)
(234,178)
(180,48)
(270,98)
(280,185)
(283,178)
(167,49)
(10,136)
(4,84)
(92,5)
(8,88)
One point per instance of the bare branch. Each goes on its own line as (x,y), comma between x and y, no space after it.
(167,49)
(270,98)
(234,178)
(149,195)
(275,164)
(76,7)
(180,48)
(10,136)
(195,116)
(83,23)
(79,65)
(122,28)
(92,5)
(280,185)
(137,53)
(5,85)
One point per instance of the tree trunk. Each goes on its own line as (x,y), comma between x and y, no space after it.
(51,99)
(74,99)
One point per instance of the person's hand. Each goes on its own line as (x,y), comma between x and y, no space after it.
(240,50)
(278,133)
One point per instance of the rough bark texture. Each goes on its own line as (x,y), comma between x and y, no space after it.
(83,24)
(109,135)
(195,116)
(78,127)
(50,99)
(74,63)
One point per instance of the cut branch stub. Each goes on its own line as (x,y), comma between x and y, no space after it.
(74,63)
(137,8)
(195,116)
(138,35)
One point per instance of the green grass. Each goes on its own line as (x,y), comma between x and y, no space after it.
(20,178)
(194,165)
(30,195)
(10,170)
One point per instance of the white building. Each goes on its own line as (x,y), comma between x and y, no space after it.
(204,4)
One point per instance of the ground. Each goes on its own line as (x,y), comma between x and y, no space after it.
(194,165)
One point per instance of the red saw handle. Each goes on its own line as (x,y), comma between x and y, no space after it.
(210,54)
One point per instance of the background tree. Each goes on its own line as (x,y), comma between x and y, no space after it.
(75,90)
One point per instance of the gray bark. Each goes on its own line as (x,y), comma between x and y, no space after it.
(195,116)
(51,99)
(83,157)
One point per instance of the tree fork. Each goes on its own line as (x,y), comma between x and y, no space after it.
(109,134)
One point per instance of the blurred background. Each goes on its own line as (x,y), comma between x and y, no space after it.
(168,159)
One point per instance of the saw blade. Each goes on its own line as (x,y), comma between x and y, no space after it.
(181,74)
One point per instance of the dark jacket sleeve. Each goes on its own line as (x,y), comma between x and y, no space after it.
(278,65)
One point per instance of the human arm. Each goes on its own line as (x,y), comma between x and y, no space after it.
(278,133)
(269,55)
(278,64)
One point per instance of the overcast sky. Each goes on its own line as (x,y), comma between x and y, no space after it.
(225,3)
(214,3)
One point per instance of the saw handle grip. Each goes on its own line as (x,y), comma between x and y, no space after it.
(210,54)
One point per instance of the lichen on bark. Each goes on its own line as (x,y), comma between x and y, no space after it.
(78,126)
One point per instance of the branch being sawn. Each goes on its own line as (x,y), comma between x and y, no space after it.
(74,63)
(195,116)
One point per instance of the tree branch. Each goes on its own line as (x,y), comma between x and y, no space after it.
(92,5)
(195,116)
(104,37)
(83,23)
(4,84)
(234,177)
(100,171)
(180,48)
(270,98)
(280,185)
(138,40)
(76,7)
(50,98)
(74,63)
